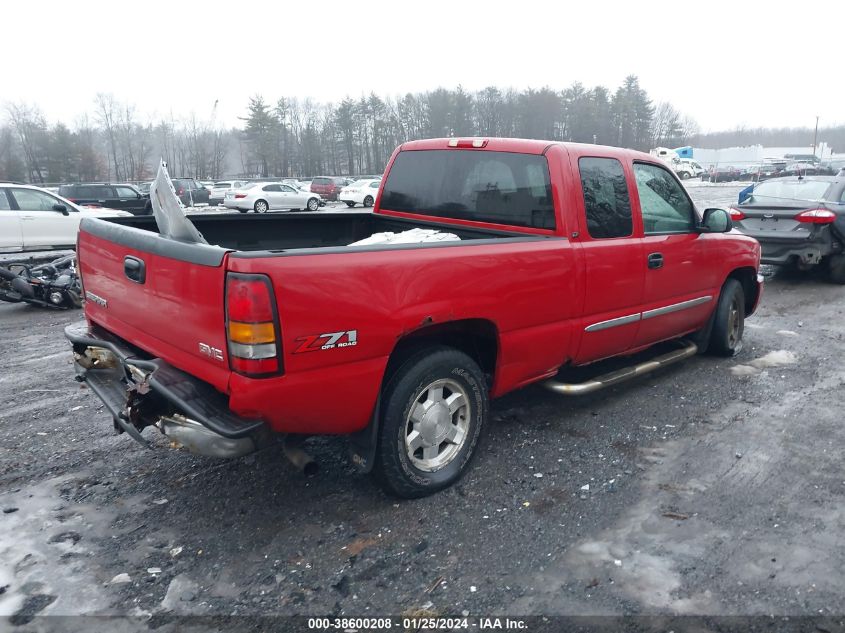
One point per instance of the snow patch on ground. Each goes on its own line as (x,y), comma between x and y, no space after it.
(777,358)
(45,549)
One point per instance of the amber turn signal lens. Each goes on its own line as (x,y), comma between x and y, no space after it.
(251,333)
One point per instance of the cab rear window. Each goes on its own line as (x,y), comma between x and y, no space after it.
(485,186)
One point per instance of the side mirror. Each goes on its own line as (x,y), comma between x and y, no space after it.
(61,209)
(716,221)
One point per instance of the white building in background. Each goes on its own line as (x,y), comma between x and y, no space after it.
(755,154)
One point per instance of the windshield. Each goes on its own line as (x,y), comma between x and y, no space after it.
(499,187)
(808,190)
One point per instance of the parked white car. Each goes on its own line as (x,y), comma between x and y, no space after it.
(361,192)
(268,196)
(33,219)
(219,189)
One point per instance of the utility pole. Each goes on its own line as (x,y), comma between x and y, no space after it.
(815,135)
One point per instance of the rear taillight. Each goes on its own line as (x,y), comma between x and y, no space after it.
(180,191)
(238,196)
(736,214)
(816,216)
(252,326)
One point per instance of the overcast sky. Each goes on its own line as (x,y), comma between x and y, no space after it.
(723,63)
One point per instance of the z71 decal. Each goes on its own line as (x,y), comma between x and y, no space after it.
(332,340)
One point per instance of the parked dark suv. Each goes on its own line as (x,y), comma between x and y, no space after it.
(120,196)
(328,186)
(190,191)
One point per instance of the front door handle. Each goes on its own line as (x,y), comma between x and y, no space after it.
(135,269)
(655,260)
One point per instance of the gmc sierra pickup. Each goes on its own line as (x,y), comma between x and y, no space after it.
(552,256)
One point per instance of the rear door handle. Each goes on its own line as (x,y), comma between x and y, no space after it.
(135,269)
(655,260)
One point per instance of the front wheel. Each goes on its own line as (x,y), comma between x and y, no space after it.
(684,175)
(433,410)
(260,206)
(729,320)
(313,204)
(368,201)
(350,204)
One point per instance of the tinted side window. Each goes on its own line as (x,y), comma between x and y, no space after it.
(4,201)
(499,187)
(665,206)
(126,192)
(607,203)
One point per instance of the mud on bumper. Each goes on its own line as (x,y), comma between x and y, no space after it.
(140,392)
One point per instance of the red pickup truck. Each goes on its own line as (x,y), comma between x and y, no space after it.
(555,255)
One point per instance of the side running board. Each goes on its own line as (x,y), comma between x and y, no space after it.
(621,375)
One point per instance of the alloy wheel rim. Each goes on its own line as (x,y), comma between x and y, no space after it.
(733,324)
(437,425)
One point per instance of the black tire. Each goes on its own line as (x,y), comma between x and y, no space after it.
(313,204)
(728,321)
(242,210)
(261,206)
(836,268)
(684,175)
(368,201)
(350,204)
(394,468)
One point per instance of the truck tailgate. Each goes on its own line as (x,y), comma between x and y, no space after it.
(173,309)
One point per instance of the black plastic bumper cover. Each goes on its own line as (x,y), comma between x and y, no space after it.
(187,395)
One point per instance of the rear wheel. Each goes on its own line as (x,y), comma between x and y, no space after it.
(433,410)
(684,175)
(260,206)
(368,201)
(836,268)
(728,321)
(313,204)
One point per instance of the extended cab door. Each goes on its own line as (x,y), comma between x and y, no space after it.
(612,257)
(11,235)
(681,281)
(42,226)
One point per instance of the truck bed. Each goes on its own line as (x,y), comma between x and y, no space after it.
(285,231)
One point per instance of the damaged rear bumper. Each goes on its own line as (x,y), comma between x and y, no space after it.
(141,392)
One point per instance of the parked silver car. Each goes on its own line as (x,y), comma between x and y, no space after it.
(267,196)
(219,189)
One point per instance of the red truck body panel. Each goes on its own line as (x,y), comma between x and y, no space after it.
(383,298)
(545,298)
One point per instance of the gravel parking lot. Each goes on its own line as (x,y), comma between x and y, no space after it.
(713,487)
